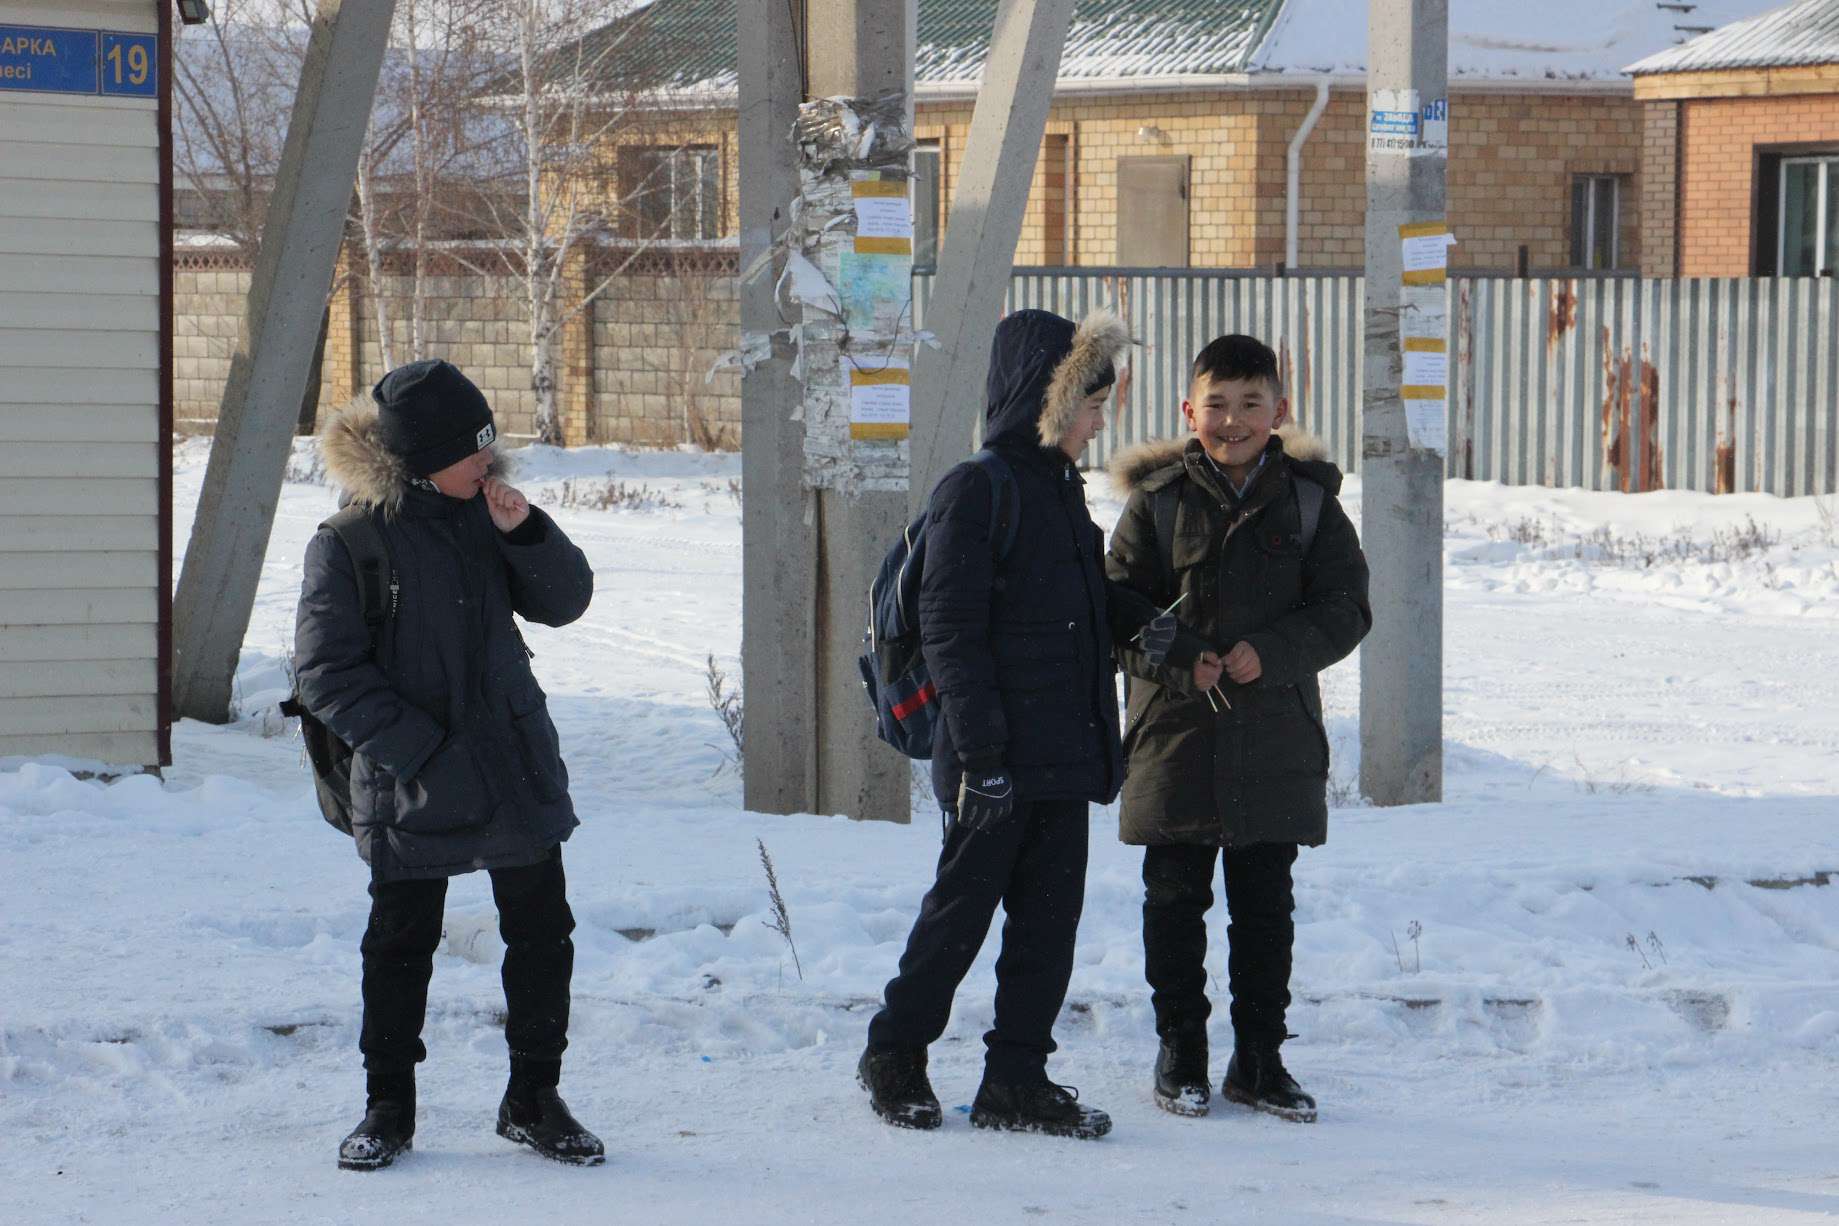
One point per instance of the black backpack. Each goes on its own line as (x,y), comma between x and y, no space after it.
(894,672)
(377,592)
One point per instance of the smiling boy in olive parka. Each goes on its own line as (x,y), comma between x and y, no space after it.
(1270,573)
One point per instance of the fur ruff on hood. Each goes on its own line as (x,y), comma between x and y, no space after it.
(358,462)
(1101,339)
(1131,467)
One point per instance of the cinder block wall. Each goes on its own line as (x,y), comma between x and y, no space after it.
(633,368)
(209,297)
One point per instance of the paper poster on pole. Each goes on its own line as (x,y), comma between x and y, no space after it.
(1427,420)
(1426,247)
(1394,121)
(880,399)
(876,291)
(1434,131)
(884,217)
(1426,365)
(1424,313)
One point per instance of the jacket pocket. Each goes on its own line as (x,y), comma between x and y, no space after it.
(1033,657)
(447,795)
(542,753)
(1141,716)
(1314,717)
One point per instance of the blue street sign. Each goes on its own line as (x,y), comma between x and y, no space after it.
(1395,123)
(43,60)
(128,65)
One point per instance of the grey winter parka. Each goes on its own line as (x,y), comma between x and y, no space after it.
(1256,773)
(457,765)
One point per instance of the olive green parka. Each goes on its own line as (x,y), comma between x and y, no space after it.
(1256,770)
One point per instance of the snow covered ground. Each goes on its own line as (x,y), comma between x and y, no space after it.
(1621,1004)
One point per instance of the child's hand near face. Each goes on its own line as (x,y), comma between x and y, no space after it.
(1207,671)
(508,507)
(1243,664)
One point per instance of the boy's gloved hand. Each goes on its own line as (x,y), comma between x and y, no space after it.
(985,798)
(1157,636)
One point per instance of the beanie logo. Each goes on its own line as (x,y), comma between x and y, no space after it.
(486,434)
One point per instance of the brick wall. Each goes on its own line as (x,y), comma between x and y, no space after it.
(655,338)
(631,369)
(1660,189)
(1511,161)
(1720,138)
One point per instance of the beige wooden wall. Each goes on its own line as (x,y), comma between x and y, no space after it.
(80,492)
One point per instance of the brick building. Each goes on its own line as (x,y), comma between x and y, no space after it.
(1169,138)
(1740,155)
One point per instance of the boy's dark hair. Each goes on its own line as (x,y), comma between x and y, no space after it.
(1237,357)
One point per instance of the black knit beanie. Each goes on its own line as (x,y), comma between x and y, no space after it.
(430,415)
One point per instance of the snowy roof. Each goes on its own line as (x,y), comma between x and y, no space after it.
(689,45)
(1503,40)
(1803,33)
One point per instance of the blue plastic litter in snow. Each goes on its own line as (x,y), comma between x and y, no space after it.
(707,1060)
(962,1108)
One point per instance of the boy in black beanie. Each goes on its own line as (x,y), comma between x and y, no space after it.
(456,765)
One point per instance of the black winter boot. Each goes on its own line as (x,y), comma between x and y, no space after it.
(533,1114)
(388,1127)
(898,1088)
(1257,1078)
(1182,1087)
(1036,1105)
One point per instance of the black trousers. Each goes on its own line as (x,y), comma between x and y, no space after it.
(1260,900)
(539,959)
(1034,864)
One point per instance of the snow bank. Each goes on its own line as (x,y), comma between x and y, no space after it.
(1555,995)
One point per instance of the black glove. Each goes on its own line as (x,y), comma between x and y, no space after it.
(1157,636)
(985,798)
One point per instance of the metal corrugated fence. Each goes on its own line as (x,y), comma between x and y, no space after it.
(1599,383)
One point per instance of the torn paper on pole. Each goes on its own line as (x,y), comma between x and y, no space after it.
(1423,333)
(850,275)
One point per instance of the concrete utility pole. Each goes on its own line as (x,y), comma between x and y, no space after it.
(856,49)
(810,550)
(983,226)
(1401,662)
(261,402)
(778,516)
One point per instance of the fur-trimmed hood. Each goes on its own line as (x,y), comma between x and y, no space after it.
(358,462)
(1133,466)
(1040,368)
(1099,342)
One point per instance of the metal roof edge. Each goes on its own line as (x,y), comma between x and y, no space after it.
(698,98)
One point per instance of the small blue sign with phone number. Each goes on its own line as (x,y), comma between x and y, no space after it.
(43,60)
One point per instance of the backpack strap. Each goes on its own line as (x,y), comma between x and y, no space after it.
(378,589)
(1163,503)
(1005,501)
(1309,498)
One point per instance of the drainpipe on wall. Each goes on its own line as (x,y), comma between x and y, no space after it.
(1293,196)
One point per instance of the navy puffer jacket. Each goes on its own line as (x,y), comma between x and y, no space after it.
(1022,650)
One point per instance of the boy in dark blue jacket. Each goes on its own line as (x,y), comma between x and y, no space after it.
(1021,651)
